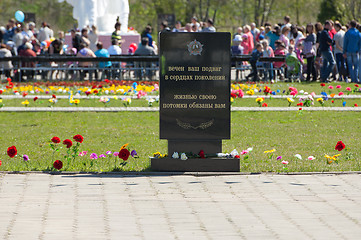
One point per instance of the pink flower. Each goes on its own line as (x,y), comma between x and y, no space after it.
(284,162)
(279,158)
(338,86)
(93,156)
(240,93)
(340,93)
(348,89)
(293,93)
(313,94)
(83,153)
(102,156)
(115,154)
(311,158)
(330,87)
(244,152)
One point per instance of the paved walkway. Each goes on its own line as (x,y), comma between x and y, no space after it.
(41,206)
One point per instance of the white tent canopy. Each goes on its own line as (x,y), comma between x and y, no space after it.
(101,13)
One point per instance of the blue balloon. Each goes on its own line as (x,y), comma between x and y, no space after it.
(19,16)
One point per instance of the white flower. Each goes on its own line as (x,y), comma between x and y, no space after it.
(305,93)
(32,91)
(301,91)
(184,156)
(151,100)
(17,93)
(175,155)
(298,156)
(311,158)
(106,91)
(60,90)
(234,153)
(64,91)
(222,155)
(250,149)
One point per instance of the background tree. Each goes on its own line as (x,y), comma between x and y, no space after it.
(330,9)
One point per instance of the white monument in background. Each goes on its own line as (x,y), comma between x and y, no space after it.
(101,13)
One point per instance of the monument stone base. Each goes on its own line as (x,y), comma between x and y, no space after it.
(169,164)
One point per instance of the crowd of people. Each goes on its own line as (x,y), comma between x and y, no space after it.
(329,51)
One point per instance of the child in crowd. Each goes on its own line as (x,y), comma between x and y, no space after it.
(267,52)
(299,53)
(256,54)
(280,51)
(245,44)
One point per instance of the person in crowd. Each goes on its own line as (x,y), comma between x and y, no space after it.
(245,44)
(10,45)
(209,26)
(247,30)
(295,35)
(56,47)
(28,52)
(326,53)
(32,29)
(76,39)
(93,38)
(102,52)
(27,32)
(338,51)
(267,52)
(262,31)
(351,48)
(144,50)
(10,31)
(273,36)
(286,22)
(5,65)
(86,52)
(117,33)
(115,49)
(300,54)
(309,51)
(188,27)
(318,60)
(283,38)
(178,27)
(84,37)
(280,51)
(196,26)
(164,27)
(236,47)
(2,32)
(256,54)
(45,32)
(147,33)
(19,37)
(61,36)
(239,32)
(332,30)
(255,32)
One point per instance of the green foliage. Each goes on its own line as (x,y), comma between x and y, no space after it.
(58,15)
(330,9)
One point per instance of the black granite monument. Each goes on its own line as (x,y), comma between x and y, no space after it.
(195,100)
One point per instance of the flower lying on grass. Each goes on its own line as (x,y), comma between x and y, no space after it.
(340,146)
(58,164)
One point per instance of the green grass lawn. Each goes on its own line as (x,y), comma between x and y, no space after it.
(290,133)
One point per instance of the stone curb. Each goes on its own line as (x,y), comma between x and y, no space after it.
(178,173)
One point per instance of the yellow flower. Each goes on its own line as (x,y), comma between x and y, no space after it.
(232,99)
(157,155)
(259,99)
(250,92)
(76,101)
(270,151)
(26,103)
(290,100)
(124,146)
(320,100)
(1,100)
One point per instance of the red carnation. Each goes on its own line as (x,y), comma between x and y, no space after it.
(340,146)
(300,104)
(68,143)
(322,84)
(124,154)
(201,154)
(78,138)
(264,105)
(237,156)
(300,109)
(1,91)
(35,98)
(54,96)
(58,164)
(12,151)
(87,93)
(55,140)
(0,163)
